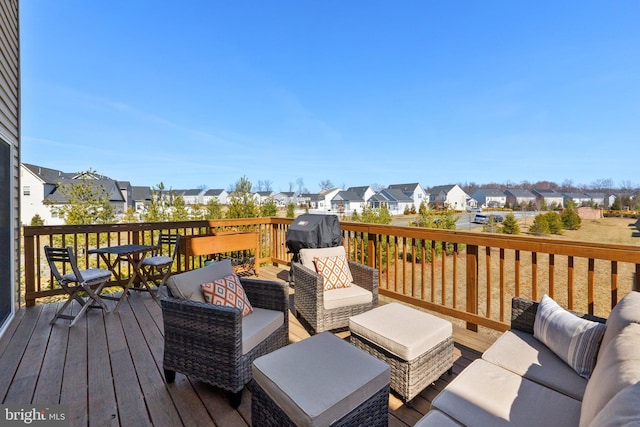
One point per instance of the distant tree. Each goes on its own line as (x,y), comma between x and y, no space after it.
(555,222)
(242,203)
(301,188)
(269,208)
(540,226)
(129,215)
(178,211)
(37,220)
(510,225)
(355,217)
(291,210)
(407,210)
(158,208)
(87,202)
(212,209)
(325,185)
(377,187)
(570,219)
(371,215)
(422,210)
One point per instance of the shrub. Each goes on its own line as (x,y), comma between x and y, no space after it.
(570,219)
(510,225)
(540,226)
(555,222)
(37,220)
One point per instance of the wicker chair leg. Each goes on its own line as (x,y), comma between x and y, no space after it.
(169,375)
(235,399)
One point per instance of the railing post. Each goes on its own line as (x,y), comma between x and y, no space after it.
(29,271)
(472,284)
(371,249)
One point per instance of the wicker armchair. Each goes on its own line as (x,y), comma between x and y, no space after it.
(309,296)
(204,341)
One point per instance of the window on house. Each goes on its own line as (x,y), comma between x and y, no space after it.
(26,190)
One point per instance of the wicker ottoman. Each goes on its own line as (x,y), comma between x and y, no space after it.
(417,346)
(321,380)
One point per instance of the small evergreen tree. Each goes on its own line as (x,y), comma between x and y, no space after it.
(242,204)
(179,210)
(212,209)
(129,215)
(269,208)
(291,210)
(570,219)
(510,225)
(540,226)
(555,222)
(422,210)
(37,220)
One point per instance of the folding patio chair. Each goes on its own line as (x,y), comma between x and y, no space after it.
(90,281)
(160,261)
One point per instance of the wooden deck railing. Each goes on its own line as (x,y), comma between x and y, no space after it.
(469,276)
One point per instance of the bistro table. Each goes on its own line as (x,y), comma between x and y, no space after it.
(133,255)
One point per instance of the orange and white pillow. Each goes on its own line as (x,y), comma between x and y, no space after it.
(227,291)
(335,272)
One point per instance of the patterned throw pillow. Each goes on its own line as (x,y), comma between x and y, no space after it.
(335,272)
(573,339)
(227,291)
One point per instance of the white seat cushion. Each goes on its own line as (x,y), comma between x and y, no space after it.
(524,355)
(486,395)
(386,326)
(258,325)
(320,379)
(343,297)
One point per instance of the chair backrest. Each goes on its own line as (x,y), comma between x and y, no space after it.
(60,257)
(169,243)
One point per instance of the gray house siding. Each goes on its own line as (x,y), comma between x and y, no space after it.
(10,157)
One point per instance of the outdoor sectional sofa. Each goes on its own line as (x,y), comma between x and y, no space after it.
(521,381)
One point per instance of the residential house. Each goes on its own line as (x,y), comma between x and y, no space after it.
(346,202)
(596,199)
(490,197)
(414,191)
(193,197)
(140,198)
(263,196)
(448,197)
(283,198)
(41,194)
(580,199)
(222,196)
(364,192)
(394,199)
(10,169)
(548,197)
(520,198)
(311,200)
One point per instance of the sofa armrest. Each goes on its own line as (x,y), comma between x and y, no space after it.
(523,314)
(267,294)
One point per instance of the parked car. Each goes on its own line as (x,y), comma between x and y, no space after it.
(495,218)
(474,209)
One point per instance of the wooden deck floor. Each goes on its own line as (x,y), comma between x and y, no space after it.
(107,369)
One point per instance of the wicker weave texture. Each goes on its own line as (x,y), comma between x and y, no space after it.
(409,378)
(373,412)
(309,296)
(204,341)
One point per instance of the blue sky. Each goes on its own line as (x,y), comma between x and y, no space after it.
(200,93)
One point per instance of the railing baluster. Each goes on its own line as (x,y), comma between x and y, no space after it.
(534,276)
(590,286)
(614,283)
(487,258)
(502,284)
(552,267)
(570,283)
